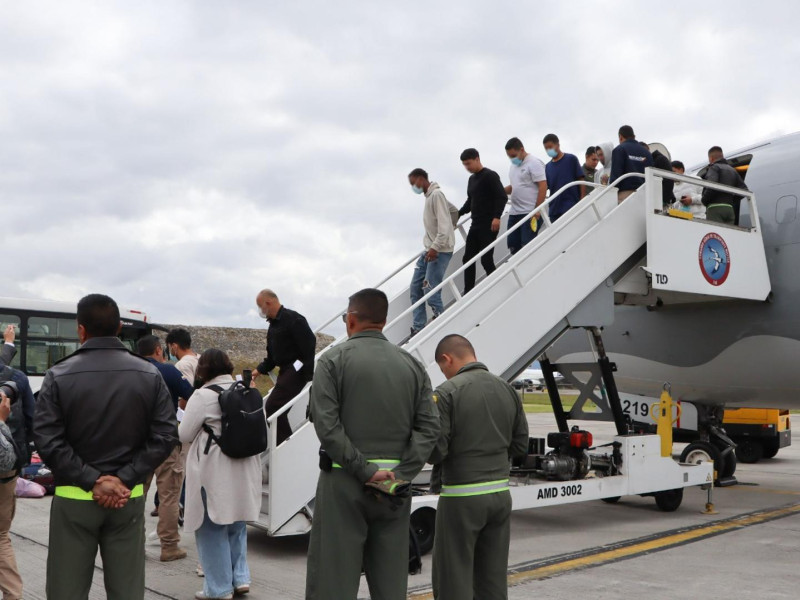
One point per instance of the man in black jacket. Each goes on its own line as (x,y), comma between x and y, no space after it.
(486,199)
(628,157)
(722,207)
(664,162)
(104,421)
(291,346)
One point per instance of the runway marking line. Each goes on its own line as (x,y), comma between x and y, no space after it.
(602,555)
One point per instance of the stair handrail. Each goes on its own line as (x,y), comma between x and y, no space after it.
(288,406)
(697,181)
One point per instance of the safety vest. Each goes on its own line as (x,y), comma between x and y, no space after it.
(384,464)
(474,489)
(73,492)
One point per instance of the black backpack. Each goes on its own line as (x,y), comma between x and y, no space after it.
(244,423)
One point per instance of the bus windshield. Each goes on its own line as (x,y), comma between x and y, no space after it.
(45,333)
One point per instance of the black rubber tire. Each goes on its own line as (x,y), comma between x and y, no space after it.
(750,451)
(669,500)
(729,465)
(611,500)
(423,522)
(771,450)
(694,450)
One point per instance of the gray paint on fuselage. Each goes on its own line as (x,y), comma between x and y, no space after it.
(693,335)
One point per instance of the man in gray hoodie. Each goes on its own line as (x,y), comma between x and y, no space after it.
(439,218)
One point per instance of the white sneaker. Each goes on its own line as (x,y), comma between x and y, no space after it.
(199,571)
(153,539)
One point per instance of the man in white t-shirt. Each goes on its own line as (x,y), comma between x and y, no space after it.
(179,343)
(527,190)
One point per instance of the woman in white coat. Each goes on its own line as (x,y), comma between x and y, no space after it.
(222,493)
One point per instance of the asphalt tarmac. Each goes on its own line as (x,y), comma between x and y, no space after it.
(586,550)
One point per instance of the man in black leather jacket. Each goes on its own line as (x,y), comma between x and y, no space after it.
(722,207)
(104,420)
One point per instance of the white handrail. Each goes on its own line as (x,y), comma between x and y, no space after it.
(697,181)
(288,406)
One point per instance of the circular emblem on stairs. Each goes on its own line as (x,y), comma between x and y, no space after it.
(715,259)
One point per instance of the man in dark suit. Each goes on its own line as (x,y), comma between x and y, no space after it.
(291,346)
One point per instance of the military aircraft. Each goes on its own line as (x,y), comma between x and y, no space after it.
(731,353)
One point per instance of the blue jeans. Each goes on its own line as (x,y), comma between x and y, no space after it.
(518,238)
(223,555)
(427,275)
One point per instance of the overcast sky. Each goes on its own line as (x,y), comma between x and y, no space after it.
(180,156)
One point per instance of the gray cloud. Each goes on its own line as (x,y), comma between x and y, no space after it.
(181,156)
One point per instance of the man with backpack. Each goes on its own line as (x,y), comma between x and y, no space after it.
(439,218)
(373,411)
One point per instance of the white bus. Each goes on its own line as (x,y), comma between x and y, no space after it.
(47,332)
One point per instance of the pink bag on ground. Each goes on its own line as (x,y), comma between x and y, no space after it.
(29,489)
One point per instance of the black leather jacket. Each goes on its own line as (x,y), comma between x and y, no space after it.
(723,173)
(104,411)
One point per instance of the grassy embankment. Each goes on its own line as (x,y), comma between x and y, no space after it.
(535,402)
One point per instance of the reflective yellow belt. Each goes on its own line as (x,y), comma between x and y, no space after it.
(75,493)
(474,489)
(386,464)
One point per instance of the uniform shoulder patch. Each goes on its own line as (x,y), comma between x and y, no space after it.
(435,398)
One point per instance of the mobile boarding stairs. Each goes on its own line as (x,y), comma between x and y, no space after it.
(571,275)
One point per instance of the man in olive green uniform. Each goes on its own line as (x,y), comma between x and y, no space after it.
(483,426)
(372,407)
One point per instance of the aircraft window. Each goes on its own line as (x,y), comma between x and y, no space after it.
(786,209)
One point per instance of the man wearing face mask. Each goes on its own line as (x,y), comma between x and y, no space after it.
(439,218)
(291,346)
(527,190)
(486,199)
(562,170)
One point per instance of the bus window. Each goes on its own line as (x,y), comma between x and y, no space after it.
(129,335)
(52,327)
(41,355)
(5,321)
(49,340)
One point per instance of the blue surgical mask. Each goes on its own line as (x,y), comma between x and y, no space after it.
(552,152)
(416,189)
(516,161)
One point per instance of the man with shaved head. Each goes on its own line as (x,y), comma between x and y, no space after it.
(483,426)
(722,207)
(291,346)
